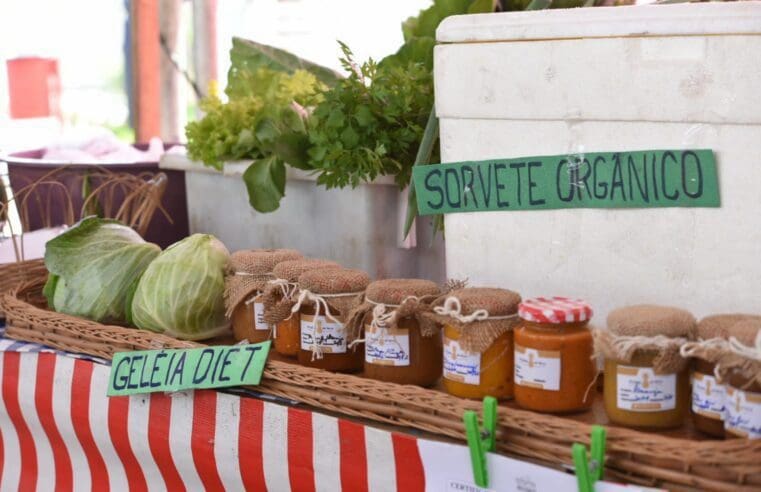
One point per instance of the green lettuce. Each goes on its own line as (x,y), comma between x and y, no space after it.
(93,266)
(181,292)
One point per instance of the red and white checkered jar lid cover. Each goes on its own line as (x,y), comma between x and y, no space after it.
(555,310)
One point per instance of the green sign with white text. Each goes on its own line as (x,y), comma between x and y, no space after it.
(640,179)
(148,371)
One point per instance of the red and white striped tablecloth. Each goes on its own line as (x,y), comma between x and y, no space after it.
(60,431)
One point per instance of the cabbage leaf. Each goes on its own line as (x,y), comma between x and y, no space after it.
(93,266)
(181,292)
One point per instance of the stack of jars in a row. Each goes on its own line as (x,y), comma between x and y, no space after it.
(488,341)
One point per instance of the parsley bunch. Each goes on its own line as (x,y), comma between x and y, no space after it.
(370,123)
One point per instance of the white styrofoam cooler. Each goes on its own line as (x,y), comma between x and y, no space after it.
(610,79)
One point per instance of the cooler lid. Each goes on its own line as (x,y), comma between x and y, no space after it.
(640,21)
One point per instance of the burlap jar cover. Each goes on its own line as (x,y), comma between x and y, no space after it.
(250,272)
(281,293)
(391,300)
(334,293)
(647,329)
(481,314)
(732,343)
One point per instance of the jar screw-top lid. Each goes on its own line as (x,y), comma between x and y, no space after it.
(555,310)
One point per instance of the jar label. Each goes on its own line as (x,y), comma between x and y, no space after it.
(743,413)
(640,389)
(387,346)
(708,396)
(326,335)
(537,368)
(259,323)
(460,365)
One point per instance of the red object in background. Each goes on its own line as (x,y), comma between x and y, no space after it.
(35,87)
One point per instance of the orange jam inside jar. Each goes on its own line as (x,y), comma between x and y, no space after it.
(554,366)
(397,350)
(325,343)
(469,374)
(478,342)
(708,399)
(636,392)
(243,291)
(288,336)
(626,389)
(248,321)
(282,293)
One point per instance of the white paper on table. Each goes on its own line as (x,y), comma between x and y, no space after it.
(447,468)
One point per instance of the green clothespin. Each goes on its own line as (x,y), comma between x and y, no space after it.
(481,440)
(588,473)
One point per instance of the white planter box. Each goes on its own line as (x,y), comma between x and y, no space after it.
(610,79)
(359,228)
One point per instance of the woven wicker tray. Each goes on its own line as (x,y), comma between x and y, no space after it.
(632,456)
(15,274)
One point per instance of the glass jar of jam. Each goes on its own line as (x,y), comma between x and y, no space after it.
(743,408)
(326,297)
(280,296)
(397,350)
(554,366)
(743,401)
(709,394)
(243,291)
(708,399)
(478,341)
(646,379)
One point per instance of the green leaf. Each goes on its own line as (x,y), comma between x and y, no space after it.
(49,289)
(266,131)
(265,183)
(417,50)
(349,137)
(364,115)
(336,118)
(92,265)
(428,22)
(538,5)
(292,148)
(246,57)
(423,157)
(481,7)
(409,28)
(451,7)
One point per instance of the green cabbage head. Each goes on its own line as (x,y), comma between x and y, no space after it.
(93,267)
(181,292)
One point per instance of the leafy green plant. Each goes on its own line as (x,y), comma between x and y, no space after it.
(265,118)
(369,124)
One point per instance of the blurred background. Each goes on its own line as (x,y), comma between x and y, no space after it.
(71,68)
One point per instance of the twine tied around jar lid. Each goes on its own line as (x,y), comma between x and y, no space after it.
(660,330)
(480,314)
(340,289)
(280,293)
(390,300)
(250,272)
(740,353)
